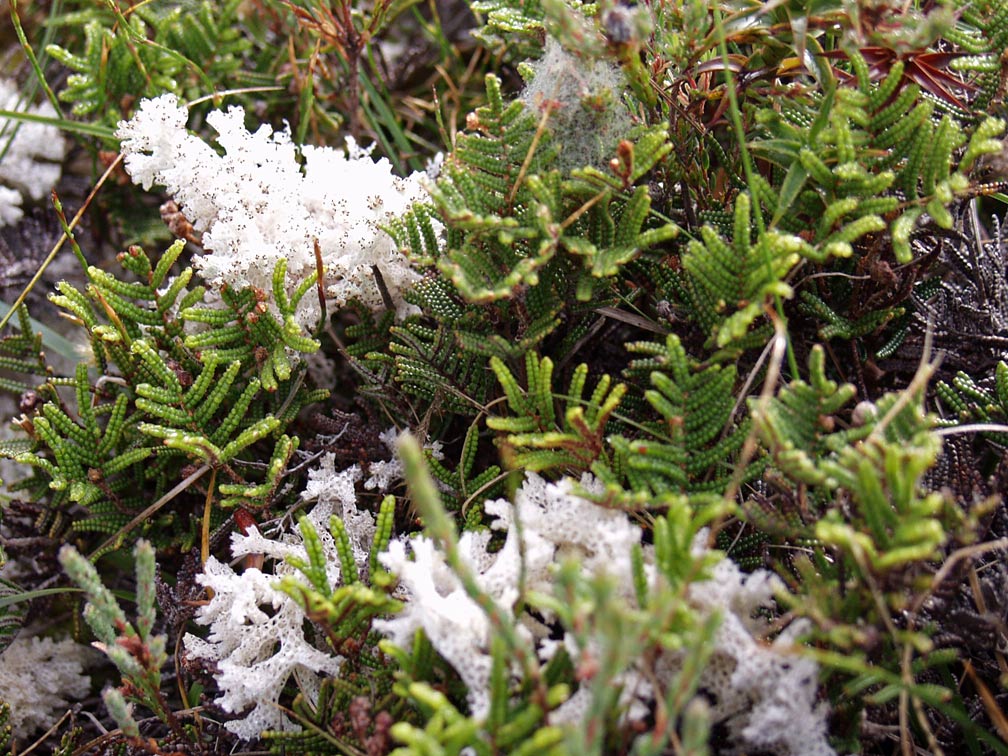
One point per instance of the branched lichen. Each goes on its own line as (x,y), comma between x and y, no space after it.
(256,205)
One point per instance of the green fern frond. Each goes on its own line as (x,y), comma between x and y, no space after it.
(22,353)
(466,490)
(429,364)
(797,426)
(343,611)
(691,446)
(877,463)
(6,729)
(245,329)
(321,715)
(982,31)
(255,496)
(972,402)
(737,279)
(510,217)
(893,523)
(485,200)
(520,23)
(901,144)
(12,617)
(100,468)
(206,406)
(147,54)
(838,326)
(538,437)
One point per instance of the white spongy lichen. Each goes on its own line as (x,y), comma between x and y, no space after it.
(257,639)
(257,642)
(763,691)
(256,204)
(383,473)
(257,636)
(32,152)
(555,525)
(38,679)
(766,692)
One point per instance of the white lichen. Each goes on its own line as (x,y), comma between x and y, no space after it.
(384,473)
(760,688)
(763,691)
(555,525)
(257,204)
(257,638)
(249,615)
(257,641)
(32,153)
(39,677)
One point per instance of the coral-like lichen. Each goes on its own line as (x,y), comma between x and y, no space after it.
(256,204)
(38,679)
(765,692)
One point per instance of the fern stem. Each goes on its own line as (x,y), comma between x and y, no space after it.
(117,538)
(749,446)
(572,218)
(205,525)
(736,118)
(540,128)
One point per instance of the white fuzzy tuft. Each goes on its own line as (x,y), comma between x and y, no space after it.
(256,204)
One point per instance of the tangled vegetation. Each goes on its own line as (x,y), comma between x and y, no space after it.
(504,376)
